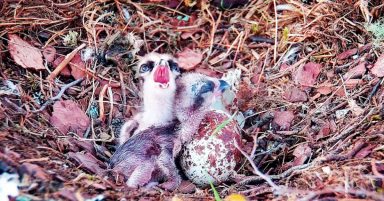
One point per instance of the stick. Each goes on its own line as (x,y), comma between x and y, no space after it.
(374,90)
(66,60)
(58,96)
(257,171)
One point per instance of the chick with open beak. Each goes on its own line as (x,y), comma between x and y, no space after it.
(158,73)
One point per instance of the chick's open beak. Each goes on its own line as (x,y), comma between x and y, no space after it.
(161,74)
(223,85)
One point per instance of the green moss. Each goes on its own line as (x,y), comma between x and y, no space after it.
(377,30)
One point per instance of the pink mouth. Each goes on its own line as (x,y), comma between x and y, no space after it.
(161,75)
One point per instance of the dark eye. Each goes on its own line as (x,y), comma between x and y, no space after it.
(146,67)
(173,65)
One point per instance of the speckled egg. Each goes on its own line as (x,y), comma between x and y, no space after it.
(212,156)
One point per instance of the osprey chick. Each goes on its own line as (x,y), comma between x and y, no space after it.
(195,94)
(158,72)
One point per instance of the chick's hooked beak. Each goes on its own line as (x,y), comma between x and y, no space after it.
(161,74)
(223,85)
(216,86)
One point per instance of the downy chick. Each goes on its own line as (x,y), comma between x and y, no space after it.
(158,72)
(194,96)
(148,156)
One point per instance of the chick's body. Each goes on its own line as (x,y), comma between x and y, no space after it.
(147,157)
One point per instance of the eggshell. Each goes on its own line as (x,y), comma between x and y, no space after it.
(212,157)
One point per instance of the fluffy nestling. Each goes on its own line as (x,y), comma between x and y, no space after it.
(148,156)
(158,73)
(191,111)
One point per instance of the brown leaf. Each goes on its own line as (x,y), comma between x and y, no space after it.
(324,131)
(352,83)
(324,90)
(347,54)
(301,153)
(2,112)
(68,194)
(295,95)
(355,72)
(340,91)
(208,72)
(186,35)
(34,171)
(25,54)
(88,162)
(364,152)
(378,68)
(284,67)
(49,53)
(84,145)
(67,116)
(65,72)
(307,74)
(186,187)
(188,59)
(283,119)
(356,110)
(257,78)
(77,67)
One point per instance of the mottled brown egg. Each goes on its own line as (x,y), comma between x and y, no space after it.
(211,156)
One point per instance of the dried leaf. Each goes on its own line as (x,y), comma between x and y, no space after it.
(2,112)
(346,54)
(284,67)
(77,67)
(356,110)
(65,72)
(307,74)
(295,95)
(186,187)
(340,114)
(49,53)
(325,130)
(355,72)
(88,162)
(67,116)
(208,72)
(352,83)
(364,152)
(283,119)
(25,54)
(257,78)
(188,59)
(378,68)
(186,35)
(324,90)
(68,194)
(34,171)
(301,153)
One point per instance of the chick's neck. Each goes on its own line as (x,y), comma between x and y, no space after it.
(158,107)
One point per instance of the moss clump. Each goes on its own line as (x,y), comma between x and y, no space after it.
(377,30)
